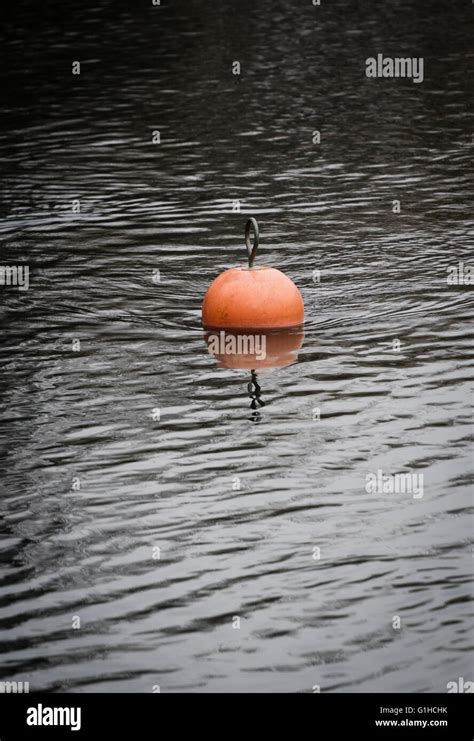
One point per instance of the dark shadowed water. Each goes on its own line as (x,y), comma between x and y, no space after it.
(141,493)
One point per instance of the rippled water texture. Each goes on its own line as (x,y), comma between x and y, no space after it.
(141,492)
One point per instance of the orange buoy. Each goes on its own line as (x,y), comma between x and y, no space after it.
(252,298)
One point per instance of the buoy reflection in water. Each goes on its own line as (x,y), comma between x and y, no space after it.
(255,350)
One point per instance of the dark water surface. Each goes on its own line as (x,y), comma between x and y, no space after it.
(85,418)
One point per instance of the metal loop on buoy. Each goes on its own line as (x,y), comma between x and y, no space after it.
(251,250)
